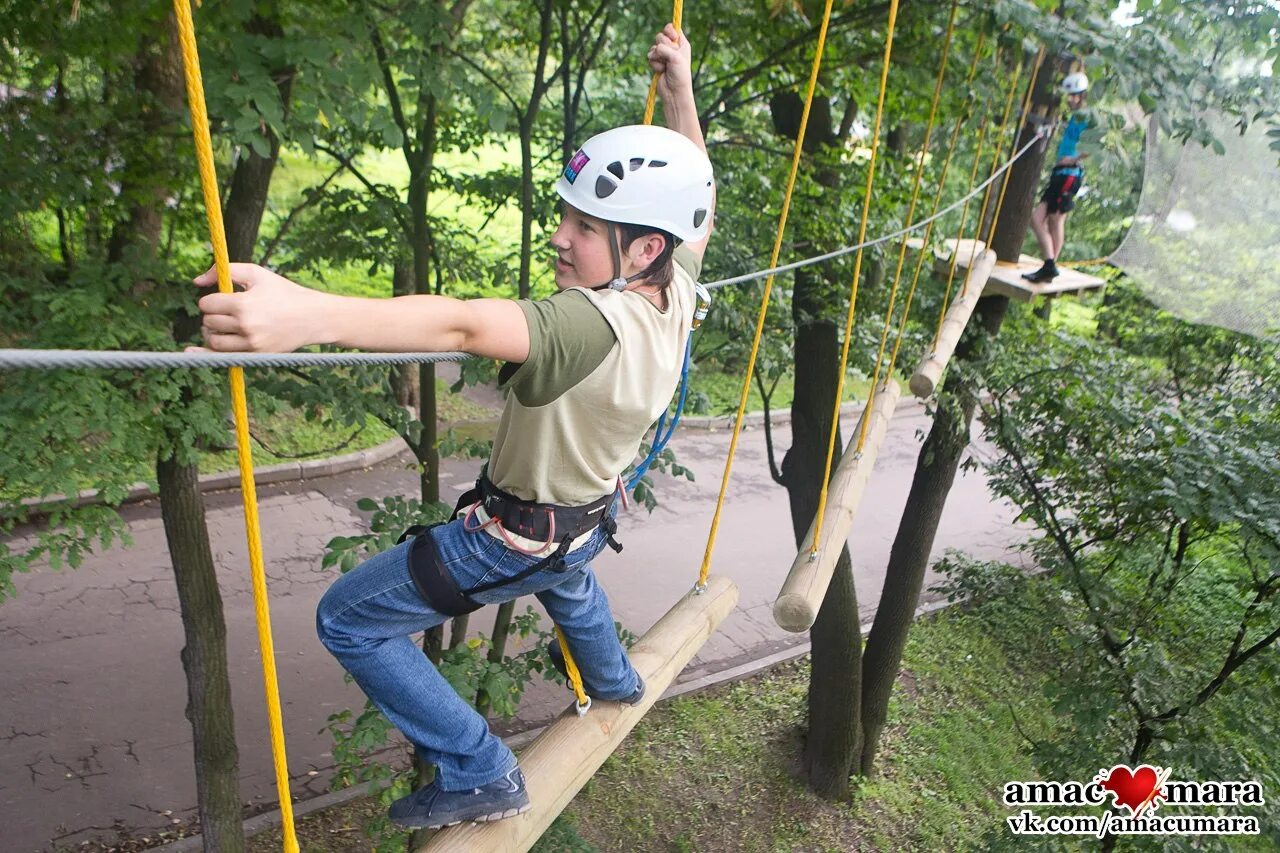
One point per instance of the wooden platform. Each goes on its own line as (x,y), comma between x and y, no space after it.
(1006,279)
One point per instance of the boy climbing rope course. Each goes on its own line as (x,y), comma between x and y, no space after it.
(1049,218)
(589,370)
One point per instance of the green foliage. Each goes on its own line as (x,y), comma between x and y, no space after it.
(1151,469)
(389,519)
(664,462)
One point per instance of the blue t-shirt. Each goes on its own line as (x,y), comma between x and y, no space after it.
(1069,146)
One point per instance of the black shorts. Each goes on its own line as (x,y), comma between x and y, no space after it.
(1064,182)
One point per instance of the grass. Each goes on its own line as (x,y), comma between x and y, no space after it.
(290,435)
(294,434)
(730,759)
(719,771)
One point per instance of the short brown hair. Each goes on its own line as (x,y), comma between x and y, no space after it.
(661,271)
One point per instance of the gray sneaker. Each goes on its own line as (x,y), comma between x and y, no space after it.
(557,660)
(432,808)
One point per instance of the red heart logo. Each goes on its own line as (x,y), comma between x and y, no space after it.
(1133,789)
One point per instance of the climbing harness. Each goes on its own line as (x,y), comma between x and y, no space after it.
(507,514)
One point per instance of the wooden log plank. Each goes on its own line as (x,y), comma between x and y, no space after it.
(571,749)
(797,604)
(929,371)
(1006,279)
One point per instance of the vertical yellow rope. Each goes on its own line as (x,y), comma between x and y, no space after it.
(916,182)
(570,665)
(571,670)
(1026,102)
(937,202)
(768,289)
(996,156)
(857,274)
(217,235)
(964,216)
(677,16)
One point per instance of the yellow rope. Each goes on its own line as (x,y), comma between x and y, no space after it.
(916,183)
(217,235)
(996,156)
(768,289)
(964,216)
(857,273)
(964,211)
(575,678)
(1026,102)
(571,668)
(1092,262)
(937,202)
(677,14)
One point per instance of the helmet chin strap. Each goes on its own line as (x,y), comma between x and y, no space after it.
(618,282)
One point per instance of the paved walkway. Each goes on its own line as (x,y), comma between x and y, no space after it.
(92,694)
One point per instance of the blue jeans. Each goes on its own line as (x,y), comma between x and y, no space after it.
(367,617)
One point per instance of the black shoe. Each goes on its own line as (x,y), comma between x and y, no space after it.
(1047,272)
(557,660)
(432,808)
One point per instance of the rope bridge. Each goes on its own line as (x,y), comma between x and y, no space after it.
(565,756)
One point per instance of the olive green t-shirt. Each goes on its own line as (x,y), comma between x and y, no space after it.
(568,338)
(602,366)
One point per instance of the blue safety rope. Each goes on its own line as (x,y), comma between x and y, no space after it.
(660,438)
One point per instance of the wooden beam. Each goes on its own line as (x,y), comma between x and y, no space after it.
(929,371)
(806,585)
(571,749)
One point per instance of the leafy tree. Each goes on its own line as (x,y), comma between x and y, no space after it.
(1162,64)
(101,238)
(1154,485)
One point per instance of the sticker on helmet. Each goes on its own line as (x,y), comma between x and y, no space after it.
(574,168)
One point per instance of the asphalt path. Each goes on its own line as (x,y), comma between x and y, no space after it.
(93,736)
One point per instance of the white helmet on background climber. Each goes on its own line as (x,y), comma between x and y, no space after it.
(642,175)
(1075,83)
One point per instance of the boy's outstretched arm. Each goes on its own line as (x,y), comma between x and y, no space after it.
(273,314)
(671,57)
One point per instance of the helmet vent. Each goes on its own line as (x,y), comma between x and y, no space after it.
(657,164)
(636,163)
(604,187)
(698,216)
(616,168)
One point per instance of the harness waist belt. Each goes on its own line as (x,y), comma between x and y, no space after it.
(538,521)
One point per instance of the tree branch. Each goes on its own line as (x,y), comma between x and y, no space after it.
(313,195)
(347,164)
(388,80)
(487,76)
(774,471)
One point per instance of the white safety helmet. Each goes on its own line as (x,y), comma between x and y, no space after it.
(642,175)
(1075,83)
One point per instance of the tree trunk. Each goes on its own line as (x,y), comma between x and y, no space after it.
(909,557)
(251,179)
(421,242)
(526,205)
(427,451)
(834,737)
(940,456)
(1024,176)
(149,180)
(404,377)
(204,657)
